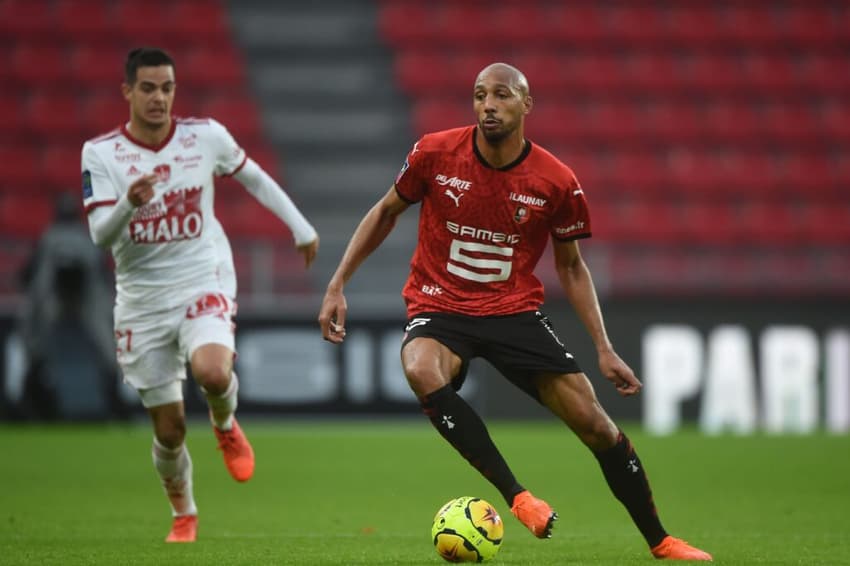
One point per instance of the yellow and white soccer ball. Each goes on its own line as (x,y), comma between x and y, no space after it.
(467,529)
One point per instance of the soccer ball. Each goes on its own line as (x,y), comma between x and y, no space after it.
(467,529)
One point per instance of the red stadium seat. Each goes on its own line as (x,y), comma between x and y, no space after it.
(19,166)
(60,168)
(85,20)
(691,25)
(26,19)
(826,224)
(405,24)
(103,111)
(205,19)
(13,123)
(35,65)
(504,18)
(240,116)
(771,224)
(461,23)
(788,122)
(730,121)
(55,115)
(98,67)
(204,67)
(670,121)
(635,22)
(141,23)
(24,215)
(430,115)
(575,23)
(749,24)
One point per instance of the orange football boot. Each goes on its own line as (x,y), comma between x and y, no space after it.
(534,513)
(672,548)
(238,454)
(184,529)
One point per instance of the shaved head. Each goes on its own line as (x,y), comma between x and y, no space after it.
(507,75)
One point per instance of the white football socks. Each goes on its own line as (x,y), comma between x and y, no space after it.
(175,470)
(223,406)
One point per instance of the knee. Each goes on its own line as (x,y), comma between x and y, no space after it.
(422,378)
(171,433)
(212,374)
(598,433)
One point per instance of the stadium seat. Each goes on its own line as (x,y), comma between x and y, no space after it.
(204,20)
(438,114)
(60,168)
(18,164)
(103,111)
(203,67)
(240,116)
(13,123)
(692,25)
(26,19)
(80,21)
(24,215)
(55,115)
(141,23)
(95,67)
(405,24)
(36,65)
(826,224)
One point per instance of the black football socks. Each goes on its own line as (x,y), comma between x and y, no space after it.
(626,478)
(458,423)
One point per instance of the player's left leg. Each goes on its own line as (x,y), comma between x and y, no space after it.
(212,368)
(206,335)
(572,398)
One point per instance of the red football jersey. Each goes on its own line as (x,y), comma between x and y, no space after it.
(482,230)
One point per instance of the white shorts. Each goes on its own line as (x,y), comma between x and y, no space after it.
(154,346)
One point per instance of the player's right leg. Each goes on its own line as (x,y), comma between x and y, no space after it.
(172,461)
(151,364)
(431,367)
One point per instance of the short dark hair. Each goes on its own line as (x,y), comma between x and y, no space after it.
(145,57)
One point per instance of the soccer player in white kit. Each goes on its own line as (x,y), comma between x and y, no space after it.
(148,193)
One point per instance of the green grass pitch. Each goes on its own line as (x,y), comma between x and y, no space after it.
(358,492)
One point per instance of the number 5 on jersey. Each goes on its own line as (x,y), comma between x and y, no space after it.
(502,267)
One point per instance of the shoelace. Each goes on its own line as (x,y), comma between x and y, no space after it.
(227,441)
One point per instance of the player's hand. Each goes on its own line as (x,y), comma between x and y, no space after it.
(619,373)
(332,315)
(309,251)
(141,191)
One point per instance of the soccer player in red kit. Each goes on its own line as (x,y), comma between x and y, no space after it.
(490,201)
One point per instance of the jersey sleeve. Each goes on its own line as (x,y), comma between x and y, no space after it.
(571,220)
(98,190)
(410,182)
(229,156)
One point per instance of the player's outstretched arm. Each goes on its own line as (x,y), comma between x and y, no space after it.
(271,195)
(370,233)
(577,283)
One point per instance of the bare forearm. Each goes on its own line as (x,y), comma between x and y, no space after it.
(580,291)
(370,233)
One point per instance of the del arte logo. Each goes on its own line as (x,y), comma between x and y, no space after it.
(176,217)
(453,182)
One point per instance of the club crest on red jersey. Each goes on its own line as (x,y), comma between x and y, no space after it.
(521,214)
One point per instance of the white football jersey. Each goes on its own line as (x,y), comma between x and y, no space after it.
(173,246)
